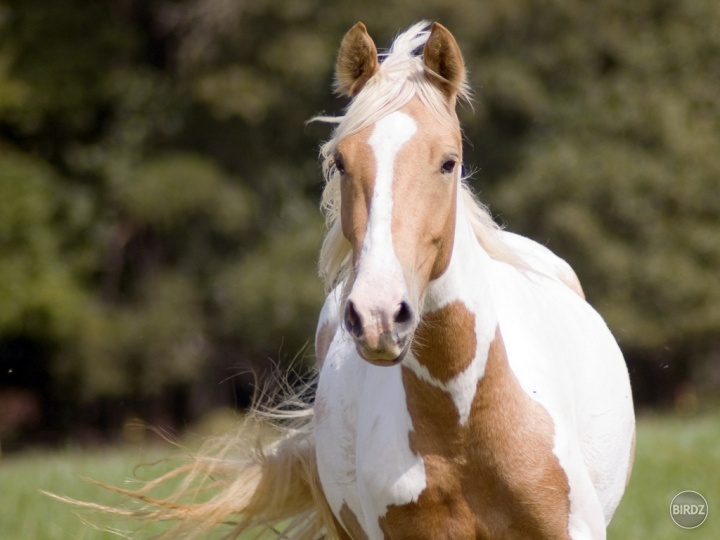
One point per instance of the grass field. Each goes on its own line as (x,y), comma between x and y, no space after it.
(673,455)
(27,514)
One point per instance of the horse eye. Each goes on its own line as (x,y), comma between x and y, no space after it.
(448,166)
(339,164)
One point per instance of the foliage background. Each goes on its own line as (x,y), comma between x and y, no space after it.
(159,187)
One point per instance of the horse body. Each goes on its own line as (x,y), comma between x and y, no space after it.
(553,430)
(460,395)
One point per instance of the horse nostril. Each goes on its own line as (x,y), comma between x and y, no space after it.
(353,323)
(403,314)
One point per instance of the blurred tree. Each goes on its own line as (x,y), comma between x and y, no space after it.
(613,162)
(138,176)
(39,292)
(158,186)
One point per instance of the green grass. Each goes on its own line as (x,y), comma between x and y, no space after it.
(673,455)
(26,513)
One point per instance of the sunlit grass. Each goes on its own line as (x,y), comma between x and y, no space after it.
(673,455)
(27,513)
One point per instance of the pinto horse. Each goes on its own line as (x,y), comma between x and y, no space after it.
(466,388)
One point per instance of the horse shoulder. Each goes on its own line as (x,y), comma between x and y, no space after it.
(335,417)
(362,432)
(565,358)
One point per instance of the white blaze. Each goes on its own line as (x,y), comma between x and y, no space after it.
(379,270)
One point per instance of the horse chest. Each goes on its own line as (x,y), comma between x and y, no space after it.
(365,461)
(494,475)
(396,461)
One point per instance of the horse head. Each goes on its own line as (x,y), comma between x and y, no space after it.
(397,157)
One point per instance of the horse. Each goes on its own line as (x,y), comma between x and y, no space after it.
(466,388)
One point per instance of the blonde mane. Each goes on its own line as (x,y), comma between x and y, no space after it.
(400,78)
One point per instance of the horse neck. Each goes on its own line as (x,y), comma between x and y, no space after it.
(467,280)
(459,323)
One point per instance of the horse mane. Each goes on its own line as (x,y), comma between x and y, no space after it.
(400,77)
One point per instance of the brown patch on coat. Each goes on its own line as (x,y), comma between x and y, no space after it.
(341,533)
(323,339)
(351,525)
(445,341)
(495,477)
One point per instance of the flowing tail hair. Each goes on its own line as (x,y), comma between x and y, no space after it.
(260,481)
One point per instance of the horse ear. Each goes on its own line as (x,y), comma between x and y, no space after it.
(357,61)
(443,61)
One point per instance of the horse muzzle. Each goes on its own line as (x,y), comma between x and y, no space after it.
(389,354)
(381,338)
